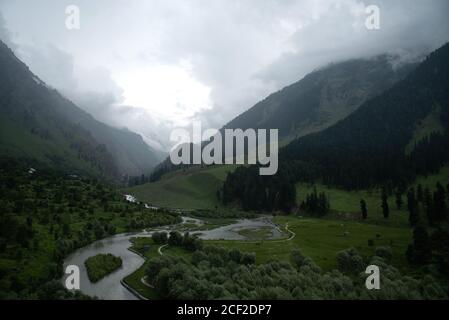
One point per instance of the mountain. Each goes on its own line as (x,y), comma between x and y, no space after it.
(390,138)
(131,154)
(323,97)
(387,142)
(39,123)
(318,101)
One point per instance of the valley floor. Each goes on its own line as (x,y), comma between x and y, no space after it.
(319,239)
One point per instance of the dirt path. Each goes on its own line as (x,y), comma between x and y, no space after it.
(160,249)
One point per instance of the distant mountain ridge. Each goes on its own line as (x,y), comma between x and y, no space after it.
(322,98)
(316,102)
(39,123)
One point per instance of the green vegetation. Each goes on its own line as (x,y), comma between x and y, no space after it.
(331,234)
(101,265)
(321,239)
(430,181)
(194,188)
(346,204)
(149,249)
(45,215)
(217,273)
(316,102)
(39,123)
(425,128)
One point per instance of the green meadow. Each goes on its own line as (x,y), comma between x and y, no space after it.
(194,188)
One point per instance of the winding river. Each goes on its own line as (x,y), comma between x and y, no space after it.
(110,287)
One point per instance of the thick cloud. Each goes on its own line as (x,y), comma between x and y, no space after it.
(152,65)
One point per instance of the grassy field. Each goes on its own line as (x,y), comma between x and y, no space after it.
(346,204)
(321,239)
(195,188)
(431,180)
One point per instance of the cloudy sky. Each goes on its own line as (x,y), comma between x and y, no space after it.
(154,65)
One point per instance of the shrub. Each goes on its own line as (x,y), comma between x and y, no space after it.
(175,239)
(349,261)
(385,253)
(248,258)
(160,237)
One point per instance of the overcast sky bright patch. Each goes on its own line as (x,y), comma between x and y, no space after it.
(153,65)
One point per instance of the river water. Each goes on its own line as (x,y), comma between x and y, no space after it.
(110,287)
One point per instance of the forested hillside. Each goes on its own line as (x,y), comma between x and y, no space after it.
(369,147)
(383,143)
(323,97)
(39,123)
(46,214)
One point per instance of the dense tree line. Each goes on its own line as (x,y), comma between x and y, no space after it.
(176,239)
(138,180)
(316,204)
(255,192)
(217,273)
(428,216)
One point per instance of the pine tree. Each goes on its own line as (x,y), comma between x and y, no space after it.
(439,200)
(399,201)
(420,251)
(363,209)
(385,207)
(429,207)
(412,208)
(420,194)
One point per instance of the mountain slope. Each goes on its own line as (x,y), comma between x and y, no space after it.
(365,151)
(38,123)
(131,154)
(370,146)
(322,98)
(316,102)
(30,127)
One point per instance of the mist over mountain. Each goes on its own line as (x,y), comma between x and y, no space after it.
(39,123)
(390,138)
(319,100)
(323,97)
(352,204)
(387,142)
